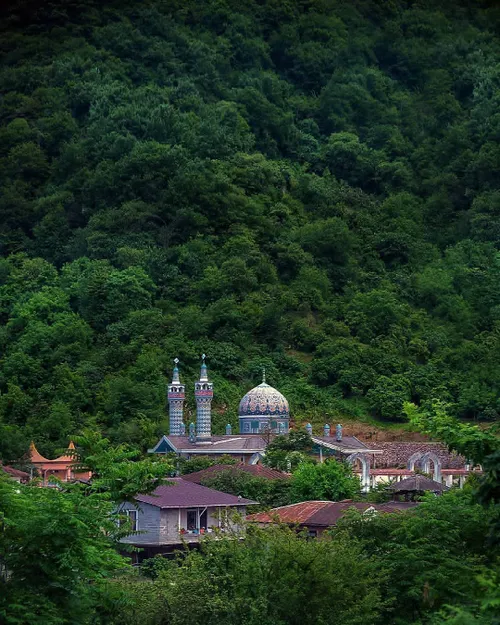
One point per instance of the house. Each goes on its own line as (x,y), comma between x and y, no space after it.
(317,516)
(62,468)
(180,512)
(255,470)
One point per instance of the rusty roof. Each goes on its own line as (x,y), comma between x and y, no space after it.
(257,470)
(322,513)
(179,493)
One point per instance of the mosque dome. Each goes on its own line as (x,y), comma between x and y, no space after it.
(264,400)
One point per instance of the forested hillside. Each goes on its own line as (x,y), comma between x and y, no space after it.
(306,185)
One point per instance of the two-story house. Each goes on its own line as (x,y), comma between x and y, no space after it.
(180,512)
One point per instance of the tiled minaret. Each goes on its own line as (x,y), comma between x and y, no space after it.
(176,395)
(203,392)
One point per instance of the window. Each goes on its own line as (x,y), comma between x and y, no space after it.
(196,519)
(133,517)
(192,520)
(246,427)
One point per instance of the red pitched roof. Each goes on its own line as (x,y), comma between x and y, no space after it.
(179,493)
(15,472)
(257,470)
(322,513)
(35,455)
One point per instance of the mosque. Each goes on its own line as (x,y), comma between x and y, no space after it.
(263,411)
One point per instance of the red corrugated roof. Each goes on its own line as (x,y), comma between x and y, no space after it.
(180,493)
(256,470)
(15,472)
(322,513)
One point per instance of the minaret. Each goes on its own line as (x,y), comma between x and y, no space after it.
(176,402)
(203,392)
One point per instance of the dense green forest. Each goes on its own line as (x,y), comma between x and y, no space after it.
(306,185)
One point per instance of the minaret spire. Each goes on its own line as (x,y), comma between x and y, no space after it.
(203,392)
(263,375)
(176,395)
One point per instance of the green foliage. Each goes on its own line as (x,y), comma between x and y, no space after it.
(286,451)
(59,546)
(267,493)
(302,187)
(434,555)
(198,463)
(118,472)
(56,548)
(328,481)
(274,576)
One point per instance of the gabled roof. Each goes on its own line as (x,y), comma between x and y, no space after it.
(179,493)
(418,483)
(322,513)
(257,470)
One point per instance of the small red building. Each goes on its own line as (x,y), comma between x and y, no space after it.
(61,468)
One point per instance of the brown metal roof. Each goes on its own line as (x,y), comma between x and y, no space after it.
(257,470)
(322,513)
(418,483)
(179,493)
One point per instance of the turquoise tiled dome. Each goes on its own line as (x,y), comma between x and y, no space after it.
(263,400)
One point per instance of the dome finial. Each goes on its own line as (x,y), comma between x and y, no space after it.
(203,371)
(175,376)
(263,375)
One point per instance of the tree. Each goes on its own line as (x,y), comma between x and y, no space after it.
(274,576)
(328,481)
(59,546)
(434,555)
(286,451)
(266,492)
(198,463)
